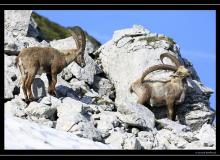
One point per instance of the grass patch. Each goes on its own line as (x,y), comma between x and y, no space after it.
(156,38)
(52,31)
(49,30)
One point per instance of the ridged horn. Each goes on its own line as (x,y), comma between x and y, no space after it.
(171,57)
(157,67)
(79,37)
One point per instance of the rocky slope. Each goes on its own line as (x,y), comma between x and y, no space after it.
(93,103)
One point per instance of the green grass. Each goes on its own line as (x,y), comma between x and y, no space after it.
(53,31)
(50,30)
(156,38)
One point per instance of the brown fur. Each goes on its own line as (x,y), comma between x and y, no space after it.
(48,60)
(157,93)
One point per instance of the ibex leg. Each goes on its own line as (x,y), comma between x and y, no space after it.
(49,77)
(28,83)
(24,79)
(53,84)
(170,110)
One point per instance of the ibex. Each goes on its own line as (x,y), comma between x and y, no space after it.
(161,93)
(36,60)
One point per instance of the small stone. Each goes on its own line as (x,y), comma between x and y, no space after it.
(135,131)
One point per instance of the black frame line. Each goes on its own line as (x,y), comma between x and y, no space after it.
(110,152)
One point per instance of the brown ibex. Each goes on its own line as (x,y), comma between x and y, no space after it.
(36,60)
(161,93)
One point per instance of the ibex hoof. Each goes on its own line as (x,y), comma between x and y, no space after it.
(171,118)
(26,100)
(32,99)
(52,93)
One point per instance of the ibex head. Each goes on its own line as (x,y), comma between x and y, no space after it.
(181,72)
(80,60)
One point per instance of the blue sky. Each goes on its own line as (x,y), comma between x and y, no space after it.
(194,31)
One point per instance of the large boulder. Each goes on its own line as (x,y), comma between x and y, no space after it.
(40,110)
(73,118)
(63,44)
(15,32)
(136,115)
(78,125)
(17,22)
(124,58)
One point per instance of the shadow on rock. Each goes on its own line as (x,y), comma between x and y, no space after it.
(38,88)
(64,91)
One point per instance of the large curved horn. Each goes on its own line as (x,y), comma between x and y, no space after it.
(171,57)
(157,67)
(79,37)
